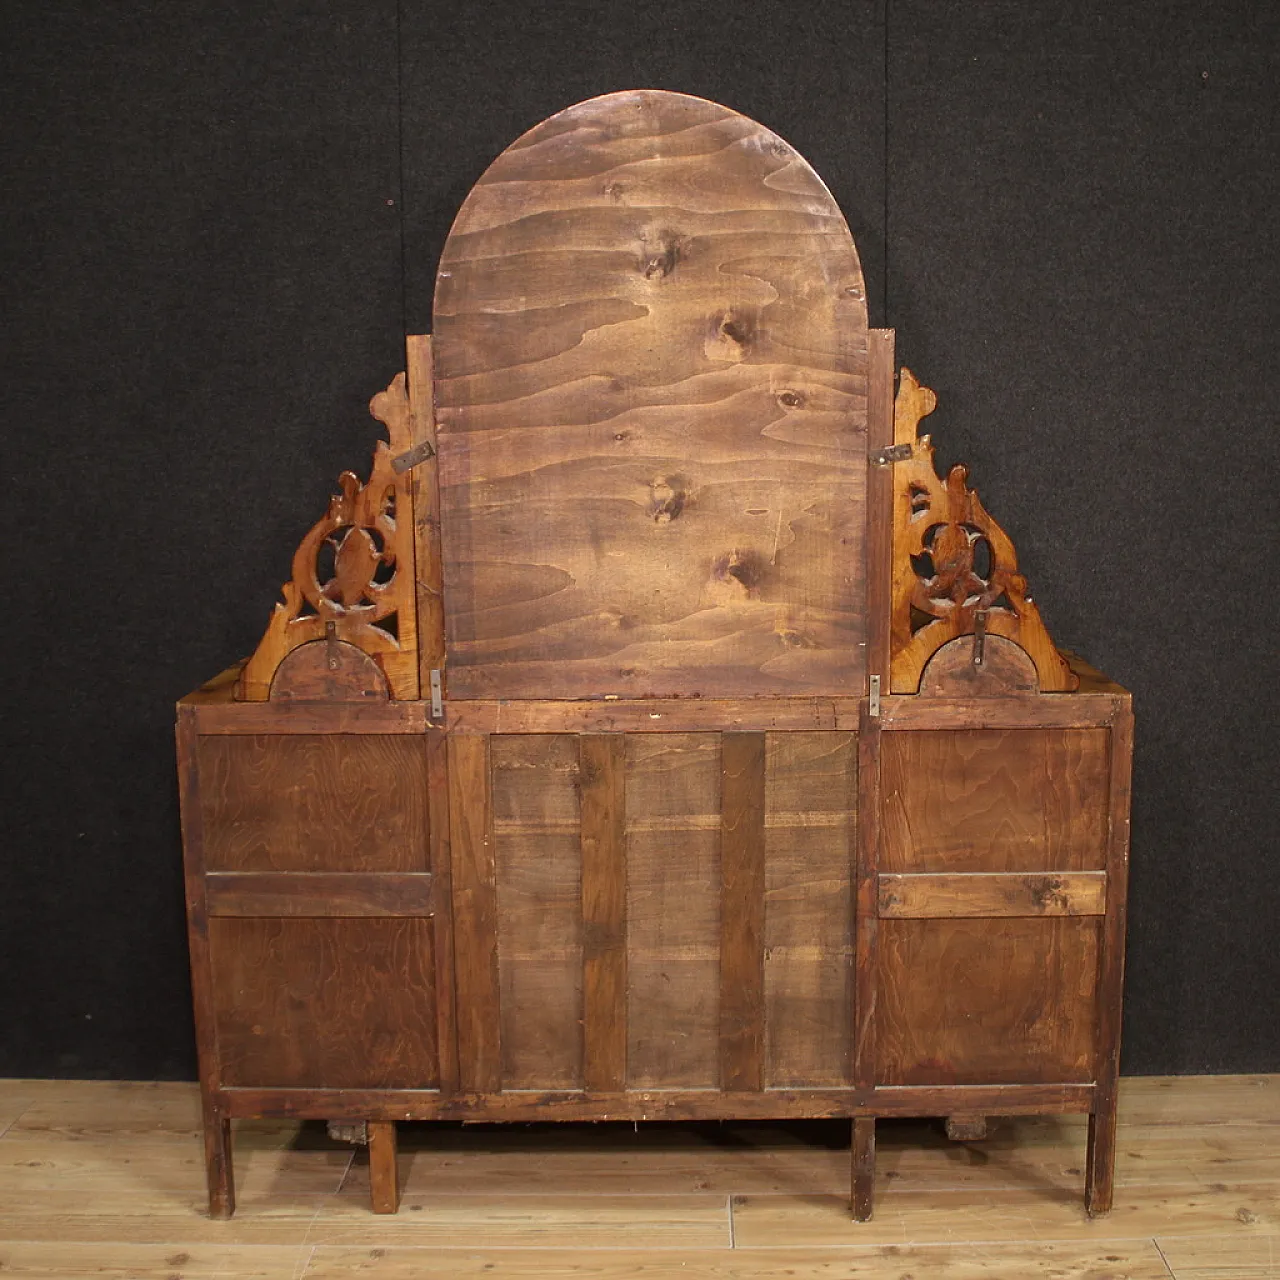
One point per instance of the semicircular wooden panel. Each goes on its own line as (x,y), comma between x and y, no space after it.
(650,382)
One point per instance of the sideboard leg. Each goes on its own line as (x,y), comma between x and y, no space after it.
(966,1128)
(218,1169)
(1101,1160)
(384,1179)
(864,1166)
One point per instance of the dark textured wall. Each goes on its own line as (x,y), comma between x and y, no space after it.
(218,222)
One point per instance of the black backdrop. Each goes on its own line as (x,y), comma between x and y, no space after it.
(219,221)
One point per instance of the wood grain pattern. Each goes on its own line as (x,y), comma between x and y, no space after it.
(863,1167)
(602,761)
(243,719)
(425,493)
(810,808)
(441,862)
(1016,1005)
(538,869)
(673,910)
(866,903)
(879,534)
(742,909)
(345,1003)
(311,802)
(384,1178)
(650,384)
(320,893)
(991,894)
(1028,800)
(475,914)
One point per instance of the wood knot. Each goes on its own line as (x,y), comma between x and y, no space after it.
(661,253)
(729,335)
(614,190)
(667,498)
(791,399)
(746,568)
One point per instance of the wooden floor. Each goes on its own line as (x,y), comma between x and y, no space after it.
(106,1180)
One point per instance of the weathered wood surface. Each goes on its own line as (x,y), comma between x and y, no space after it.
(987,1001)
(336,1002)
(992,894)
(320,893)
(650,391)
(384,1177)
(1026,800)
(322,802)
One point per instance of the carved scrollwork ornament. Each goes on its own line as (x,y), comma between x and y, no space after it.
(955,570)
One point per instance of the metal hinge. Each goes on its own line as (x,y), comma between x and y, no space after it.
(873,697)
(437,695)
(892,453)
(403,462)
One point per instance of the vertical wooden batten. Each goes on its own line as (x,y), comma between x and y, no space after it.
(742,876)
(602,778)
(474,914)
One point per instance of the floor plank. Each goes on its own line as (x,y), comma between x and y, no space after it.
(63,1261)
(1242,1257)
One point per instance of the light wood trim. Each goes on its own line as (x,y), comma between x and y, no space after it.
(310,717)
(320,893)
(930,896)
(1031,711)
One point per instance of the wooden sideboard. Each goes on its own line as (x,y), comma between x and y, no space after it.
(654,734)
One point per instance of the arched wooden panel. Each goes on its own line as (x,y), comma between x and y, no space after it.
(650,385)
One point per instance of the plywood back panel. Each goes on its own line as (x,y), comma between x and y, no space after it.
(538,864)
(810,801)
(650,384)
(314,802)
(994,800)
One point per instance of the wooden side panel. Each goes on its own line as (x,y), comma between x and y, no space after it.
(333,1003)
(742,872)
(673,910)
(475,908)
(810,806)
(538,869)
(997,1001)
(314,802)
(651,376)
(994,800)
(602,763)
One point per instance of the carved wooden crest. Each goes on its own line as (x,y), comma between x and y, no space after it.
(353,573)
(955,570)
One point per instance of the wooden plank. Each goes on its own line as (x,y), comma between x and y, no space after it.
(533,1105)
(426,512)
(991,894)
(673,910)
(652,433)
(475,923)
(1017,1005)
(742,886)
(1016,800)
(344,1002)
(320,893)
(314,803)
(810,828)
(232,718)
(879,533)
(866,902)
(602,779)
(216,1126)
(440,861)
(384,1178)
(1102,1124)
(1045,711)
(538,868)
(652,715)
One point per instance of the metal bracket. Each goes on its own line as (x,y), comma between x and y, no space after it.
(979,636)
(873,697)
(893,453)
(437,695)
(406,461)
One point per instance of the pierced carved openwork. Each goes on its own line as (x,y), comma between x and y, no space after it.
(955,570)
(353,573)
